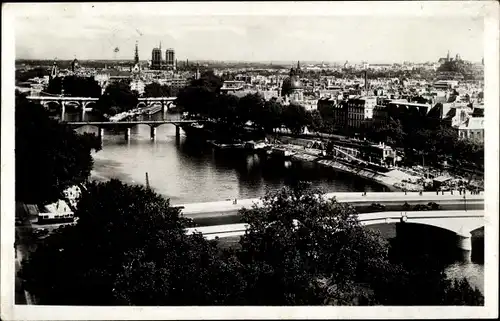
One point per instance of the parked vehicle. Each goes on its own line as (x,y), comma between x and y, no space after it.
(433,206)
(377,207)
(421,207)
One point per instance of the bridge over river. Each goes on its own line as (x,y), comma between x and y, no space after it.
(126,125)
(462,223)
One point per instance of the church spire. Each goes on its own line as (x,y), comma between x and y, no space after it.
(136,57)
(298,65)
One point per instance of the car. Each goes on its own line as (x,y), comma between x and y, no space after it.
(406,206)
(433,206)
(377,207)
(421,207)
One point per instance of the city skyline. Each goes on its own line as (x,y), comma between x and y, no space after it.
(252,38)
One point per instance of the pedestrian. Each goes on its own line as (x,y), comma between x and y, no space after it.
(460,191)
(235,201)
(451,192)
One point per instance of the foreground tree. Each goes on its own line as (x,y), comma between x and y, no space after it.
(314,250)
(49,156)
(130,248)
(308,250)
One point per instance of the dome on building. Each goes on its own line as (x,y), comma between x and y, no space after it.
(290,84)
(295,83)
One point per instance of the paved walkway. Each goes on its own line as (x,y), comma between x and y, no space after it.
(372,197)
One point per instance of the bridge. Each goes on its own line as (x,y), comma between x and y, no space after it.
(462,223)
(383,198)
(84,102)
(80,102)
(166,102)
(153,124)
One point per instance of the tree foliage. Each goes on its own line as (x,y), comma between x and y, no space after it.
(129,248)
(49,156)
(300,249)
(295,118)
(117,98)
(74,86)
(157,90)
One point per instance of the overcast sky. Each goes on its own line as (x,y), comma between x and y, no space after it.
(74,33)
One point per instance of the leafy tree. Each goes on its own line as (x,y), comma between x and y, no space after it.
(315,120)
(200,96)
(252,108)
(138,254)
(313,249)
(272,116)
(49,156)
(295,118)
(117,98)
(40,72)
(156,90)
(75,86)
(308,250)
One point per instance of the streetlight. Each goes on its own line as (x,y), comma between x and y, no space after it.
(465,200)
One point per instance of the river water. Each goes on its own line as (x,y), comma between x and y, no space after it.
(185,172)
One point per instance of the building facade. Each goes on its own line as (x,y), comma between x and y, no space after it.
(472,129)
(156,61)
(360,109)
(170,59)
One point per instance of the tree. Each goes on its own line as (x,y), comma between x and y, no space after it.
(252,108)
(156,90)
(49,156)
(117,98)
(272,116)
(74,86)
(313,250)
(138,254)
(315,120)
(305,249)
(295,118)
(200,96)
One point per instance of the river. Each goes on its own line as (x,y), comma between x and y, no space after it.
(185,171)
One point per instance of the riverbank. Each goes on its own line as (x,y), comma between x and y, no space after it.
(299,150)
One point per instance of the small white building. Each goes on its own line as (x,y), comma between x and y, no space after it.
(472,128)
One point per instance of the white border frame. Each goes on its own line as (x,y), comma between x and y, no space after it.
(488,9)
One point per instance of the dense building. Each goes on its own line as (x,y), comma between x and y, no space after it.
(335,110)
(360,109)
(137,85)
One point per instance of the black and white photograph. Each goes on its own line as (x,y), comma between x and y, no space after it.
(249,157)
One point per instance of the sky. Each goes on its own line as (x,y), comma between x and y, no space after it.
(74,33)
